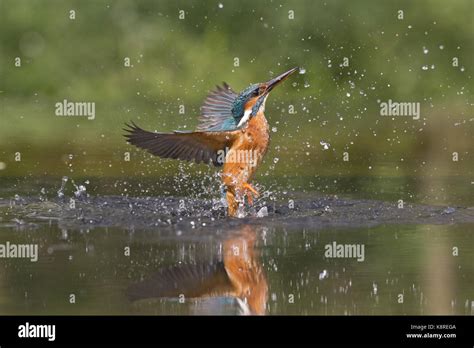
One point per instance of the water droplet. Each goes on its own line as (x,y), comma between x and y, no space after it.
(424,67)
(262,212)
(324,145)
(302,71)
(448,210)
(221,5)
(18,221)
(323,275)
(425,50)
(63,185)
(80,191)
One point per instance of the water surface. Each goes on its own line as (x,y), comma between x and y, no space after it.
(151,255)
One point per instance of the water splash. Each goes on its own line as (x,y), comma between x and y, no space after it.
(374,288)
(42,195)
(263,212)
(80,190)
(63,186)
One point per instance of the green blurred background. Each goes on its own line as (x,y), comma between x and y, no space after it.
(177,61)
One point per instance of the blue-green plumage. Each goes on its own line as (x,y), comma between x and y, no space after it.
(239,103)
(223,109)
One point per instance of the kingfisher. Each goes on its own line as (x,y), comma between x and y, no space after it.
(232,133)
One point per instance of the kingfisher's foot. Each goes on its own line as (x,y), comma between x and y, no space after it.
(250,188)
(232,204)
(248,191)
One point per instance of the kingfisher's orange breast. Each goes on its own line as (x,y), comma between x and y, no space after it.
(247,151)
(257,135)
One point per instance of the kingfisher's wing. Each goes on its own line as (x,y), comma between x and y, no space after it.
(216,112)
(190,280)
(196,146)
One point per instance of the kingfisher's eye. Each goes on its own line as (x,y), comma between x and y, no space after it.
(255,93)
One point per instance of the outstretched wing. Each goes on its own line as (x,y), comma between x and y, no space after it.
(216,112)
(189,146)
(190,280)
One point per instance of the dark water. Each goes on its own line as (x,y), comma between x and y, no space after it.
(172,255)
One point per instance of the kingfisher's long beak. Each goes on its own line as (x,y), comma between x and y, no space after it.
(277,80)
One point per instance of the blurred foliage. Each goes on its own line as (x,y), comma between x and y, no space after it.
(177,61)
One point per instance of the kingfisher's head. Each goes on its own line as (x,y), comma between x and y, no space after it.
(252,99)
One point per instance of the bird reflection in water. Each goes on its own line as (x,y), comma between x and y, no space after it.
(238,274)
